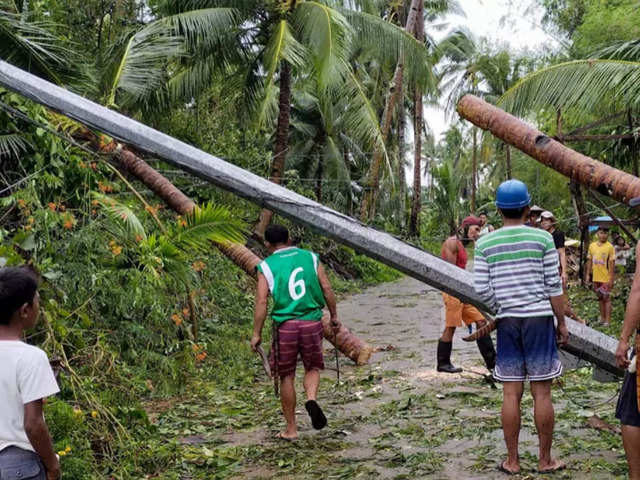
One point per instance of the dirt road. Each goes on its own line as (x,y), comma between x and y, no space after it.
(397,418)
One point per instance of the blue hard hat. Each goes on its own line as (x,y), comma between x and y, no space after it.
(512,194)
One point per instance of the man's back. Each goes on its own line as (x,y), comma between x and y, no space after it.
(292,275)
(25,376)
(516,270)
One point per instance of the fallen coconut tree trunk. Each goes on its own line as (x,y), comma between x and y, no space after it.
(585,170)
(350,345)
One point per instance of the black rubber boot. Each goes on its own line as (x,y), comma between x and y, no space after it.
(444,358)
(488,351)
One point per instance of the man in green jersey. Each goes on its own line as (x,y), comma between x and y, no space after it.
(300,289)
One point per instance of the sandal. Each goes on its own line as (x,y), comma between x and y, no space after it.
(318,420)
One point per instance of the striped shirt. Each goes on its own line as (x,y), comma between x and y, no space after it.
(516,271)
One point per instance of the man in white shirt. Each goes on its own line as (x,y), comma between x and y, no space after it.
(26,378)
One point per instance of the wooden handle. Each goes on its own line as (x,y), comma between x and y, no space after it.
(265,361)
(482,331)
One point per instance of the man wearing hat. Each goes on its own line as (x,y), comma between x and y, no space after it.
(533,219)
(516,272)
(458,314)
(548,223)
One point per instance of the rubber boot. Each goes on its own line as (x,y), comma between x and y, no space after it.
(444,358)
(488,351)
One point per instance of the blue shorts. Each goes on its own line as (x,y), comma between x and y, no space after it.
(527,350)
(16,463)
(627,409)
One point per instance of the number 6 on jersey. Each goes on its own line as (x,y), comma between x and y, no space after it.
(297,289)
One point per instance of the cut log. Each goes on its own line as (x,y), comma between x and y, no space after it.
(347,342)
(580,168)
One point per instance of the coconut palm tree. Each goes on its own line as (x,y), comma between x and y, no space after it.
(282,40)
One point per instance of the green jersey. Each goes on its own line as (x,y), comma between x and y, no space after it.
(292,275)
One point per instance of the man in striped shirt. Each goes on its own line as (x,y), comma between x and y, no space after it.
(516,272)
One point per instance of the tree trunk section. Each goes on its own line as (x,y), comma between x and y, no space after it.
(507,161)
(583,223)
(402,151)
(580,168)
(367,208)
(281,145)
(416,203)
(474,171)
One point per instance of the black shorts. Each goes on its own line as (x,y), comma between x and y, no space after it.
(627,410)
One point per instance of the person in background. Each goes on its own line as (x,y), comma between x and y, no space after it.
(485,227)
(26,379)
(533,219)
(600,271)
(516,274)
(623,252)
(628,408)
(458,314)
(548,222)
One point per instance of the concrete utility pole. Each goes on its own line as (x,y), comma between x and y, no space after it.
(584,341)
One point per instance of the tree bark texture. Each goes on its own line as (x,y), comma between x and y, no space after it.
(281,144)
(416,202)
(347,342)
(474,171)
(580,168)
(367,208)
(402,151)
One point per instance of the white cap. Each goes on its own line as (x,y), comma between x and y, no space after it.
(547,214)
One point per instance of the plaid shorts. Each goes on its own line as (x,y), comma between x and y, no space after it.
(298,337)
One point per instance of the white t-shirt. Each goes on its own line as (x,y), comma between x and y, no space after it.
(25,376)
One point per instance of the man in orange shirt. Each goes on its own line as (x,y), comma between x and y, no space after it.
(458,314)
(601,263)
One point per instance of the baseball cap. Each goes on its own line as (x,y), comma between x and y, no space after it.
(547,214)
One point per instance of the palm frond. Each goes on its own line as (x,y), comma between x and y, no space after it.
(204,28)
(171,7)
(208,223)
(121,214)
(140,69)
(389,43)
(621,51)
(12,145)
(580,84)
(33,46)
(327,35)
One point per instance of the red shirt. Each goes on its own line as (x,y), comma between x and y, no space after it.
(461,259)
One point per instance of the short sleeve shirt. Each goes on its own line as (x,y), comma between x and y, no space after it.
(25,376)
(601,255)
(558,239)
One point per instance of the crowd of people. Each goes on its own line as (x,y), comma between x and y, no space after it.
(519,271)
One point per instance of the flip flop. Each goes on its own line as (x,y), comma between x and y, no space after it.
(504,469)
(318,420)
(560,467)
(279,436)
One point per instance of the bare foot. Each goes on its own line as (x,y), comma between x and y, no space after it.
(287,436)
(551,467)
(509,468)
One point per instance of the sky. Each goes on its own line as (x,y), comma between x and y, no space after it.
(515,24)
